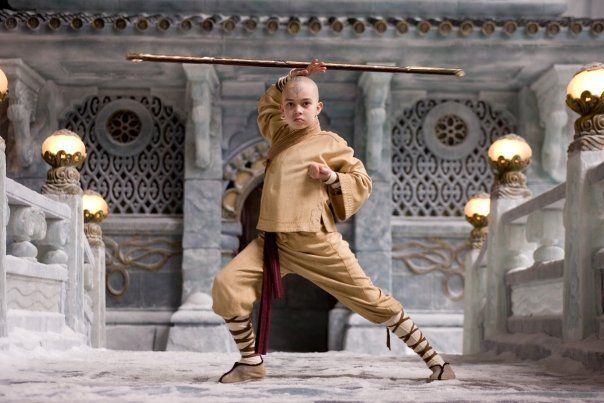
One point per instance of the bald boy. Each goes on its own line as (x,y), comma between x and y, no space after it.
(312,178)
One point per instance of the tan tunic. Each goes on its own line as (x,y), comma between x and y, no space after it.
(293,205)
(291,200)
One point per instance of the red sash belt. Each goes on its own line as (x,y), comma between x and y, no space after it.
(272,286)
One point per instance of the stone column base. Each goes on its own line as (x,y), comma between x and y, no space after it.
(195,327)
(444,332)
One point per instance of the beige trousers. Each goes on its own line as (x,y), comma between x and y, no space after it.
(323,258)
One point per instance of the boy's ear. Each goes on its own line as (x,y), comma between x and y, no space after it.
(319,107)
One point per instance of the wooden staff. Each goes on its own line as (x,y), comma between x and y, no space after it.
(145,57)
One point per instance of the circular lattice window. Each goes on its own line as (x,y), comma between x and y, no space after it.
(124,127)
(451,130)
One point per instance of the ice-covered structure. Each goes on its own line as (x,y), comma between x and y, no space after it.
(176,152)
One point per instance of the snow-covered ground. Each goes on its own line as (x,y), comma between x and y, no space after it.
(104,375)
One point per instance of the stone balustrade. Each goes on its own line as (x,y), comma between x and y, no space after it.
(534,278)
(544,266)
(38,277)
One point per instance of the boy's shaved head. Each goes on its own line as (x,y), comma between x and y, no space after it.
(296,83)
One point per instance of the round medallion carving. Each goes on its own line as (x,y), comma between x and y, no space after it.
(451,130)
(124,127)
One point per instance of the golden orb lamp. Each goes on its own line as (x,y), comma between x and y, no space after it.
(476,212)
(95,211)
(64,151)
(585,95)
(3,86)
(95,207)
(509,156)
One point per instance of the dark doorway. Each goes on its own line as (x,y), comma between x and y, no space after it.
(299,321)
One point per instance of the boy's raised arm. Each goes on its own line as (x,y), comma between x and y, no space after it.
(270,121)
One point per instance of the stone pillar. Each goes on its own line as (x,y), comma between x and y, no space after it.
(4,214)
(496,310)
(372,229)
(74,301)
(473,303)
(94,234)
(555,118)
(372,232)
(195,326)
(24,87)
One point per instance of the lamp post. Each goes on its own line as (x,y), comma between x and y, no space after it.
(476,212)
(95,211)
(585,95)
(63,151)
(509,156)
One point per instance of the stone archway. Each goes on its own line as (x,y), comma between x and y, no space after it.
(299,322)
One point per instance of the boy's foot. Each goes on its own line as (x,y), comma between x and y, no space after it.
(441,372)
(244,372)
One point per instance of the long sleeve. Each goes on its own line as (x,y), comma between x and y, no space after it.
(355,184)
(270,122)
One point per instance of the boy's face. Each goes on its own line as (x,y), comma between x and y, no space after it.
(300,104)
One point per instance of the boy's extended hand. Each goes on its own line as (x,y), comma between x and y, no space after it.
(315,66)
(318,171)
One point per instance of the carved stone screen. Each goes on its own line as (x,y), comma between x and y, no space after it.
(135,152)
(135,146)
(439,152)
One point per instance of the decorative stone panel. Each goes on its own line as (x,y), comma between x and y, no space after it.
(431,178)
(143,175)
(451,130)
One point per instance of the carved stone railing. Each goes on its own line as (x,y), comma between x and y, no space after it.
(535,263)
(34,263)
(41,289)
(544,269)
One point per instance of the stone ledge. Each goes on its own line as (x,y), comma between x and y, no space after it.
(550,324)
(553,198)
(590,352)
(535,8)
(436,319)
(20,195)
(25,268)
(352,25)
(126,224)
(137,317)
(537,272)
(35,321)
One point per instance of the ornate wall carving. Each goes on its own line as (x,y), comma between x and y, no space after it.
(135,252)
(435,255)
(433,176)
(142,174)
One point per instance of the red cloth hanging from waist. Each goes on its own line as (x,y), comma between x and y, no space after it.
(272,286)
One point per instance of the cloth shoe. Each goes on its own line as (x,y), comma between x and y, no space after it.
(244,372)
(442,372)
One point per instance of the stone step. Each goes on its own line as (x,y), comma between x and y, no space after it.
(35,321)
(30,330)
